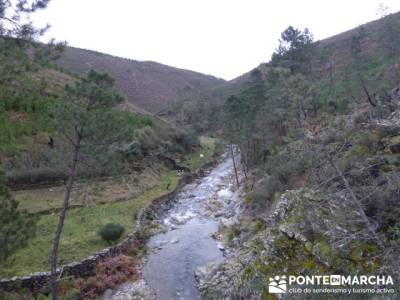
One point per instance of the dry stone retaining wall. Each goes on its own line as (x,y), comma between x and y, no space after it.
(39,280)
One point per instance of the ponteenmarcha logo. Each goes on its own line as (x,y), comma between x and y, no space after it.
(277,285)
(280,284)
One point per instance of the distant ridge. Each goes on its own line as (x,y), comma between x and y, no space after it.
(339,43)
(148,85)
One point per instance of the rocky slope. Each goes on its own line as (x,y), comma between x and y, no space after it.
(308,232)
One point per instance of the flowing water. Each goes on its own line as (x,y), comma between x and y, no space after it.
(188,244)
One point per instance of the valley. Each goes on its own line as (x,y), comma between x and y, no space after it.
(124,179)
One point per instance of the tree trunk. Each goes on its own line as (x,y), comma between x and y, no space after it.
(254,152)
(359,206)
(61,219)
(264,150)
(249,159)
(234,165)
(244,171)
(373,104)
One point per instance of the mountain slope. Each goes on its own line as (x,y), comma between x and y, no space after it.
(333,54)
(320,161)
(332,64)
(148,85)
(27,127)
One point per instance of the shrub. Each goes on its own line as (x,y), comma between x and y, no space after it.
(109,273)
(111,232)
(71,294)
(262,195)
(16,226)
(12,296)
(257,226)
(189,139)
(369,142)
(185,141)
(286,166)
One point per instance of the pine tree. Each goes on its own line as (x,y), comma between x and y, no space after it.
(360,63)
(16,227)
(86,121)
(295,51)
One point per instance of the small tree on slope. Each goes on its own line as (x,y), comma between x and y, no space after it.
(89,127)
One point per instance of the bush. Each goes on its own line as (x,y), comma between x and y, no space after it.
(185,142)
(260,198)
(71,294)
(232,232)
(111,232)
(16,226)
(287,166)
(108,274)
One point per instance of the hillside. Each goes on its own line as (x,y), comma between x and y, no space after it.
(156,88)
(318,131)
(332,53)
(148,85)
(308,184)
(126,160)
(331,63)
(26,124)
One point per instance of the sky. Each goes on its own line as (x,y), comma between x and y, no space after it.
(224,38)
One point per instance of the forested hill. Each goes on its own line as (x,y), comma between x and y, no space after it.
(333,62)
(318,129)
(148,85)
(332,56)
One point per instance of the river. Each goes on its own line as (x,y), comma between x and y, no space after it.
(187,241)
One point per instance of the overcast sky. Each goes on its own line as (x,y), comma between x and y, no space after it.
(224,38)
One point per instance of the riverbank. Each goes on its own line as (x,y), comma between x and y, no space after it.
(80,238)
(186,241)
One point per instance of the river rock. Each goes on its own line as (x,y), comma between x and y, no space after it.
(107,294)
(220,246)
(137,290)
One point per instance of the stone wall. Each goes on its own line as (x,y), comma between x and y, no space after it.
(38,281)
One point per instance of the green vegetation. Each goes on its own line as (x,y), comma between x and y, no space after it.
(111,232)
(27,135)
(80,237)
(317,129)
(118,188)
(318,135)
(90,128)
(89,192)
(203,154)
(108,275)
(16,228)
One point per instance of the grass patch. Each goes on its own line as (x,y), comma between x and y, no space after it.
(89,193)
(80,238)
(198,158)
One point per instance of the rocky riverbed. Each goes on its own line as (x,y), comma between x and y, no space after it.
(188,241)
